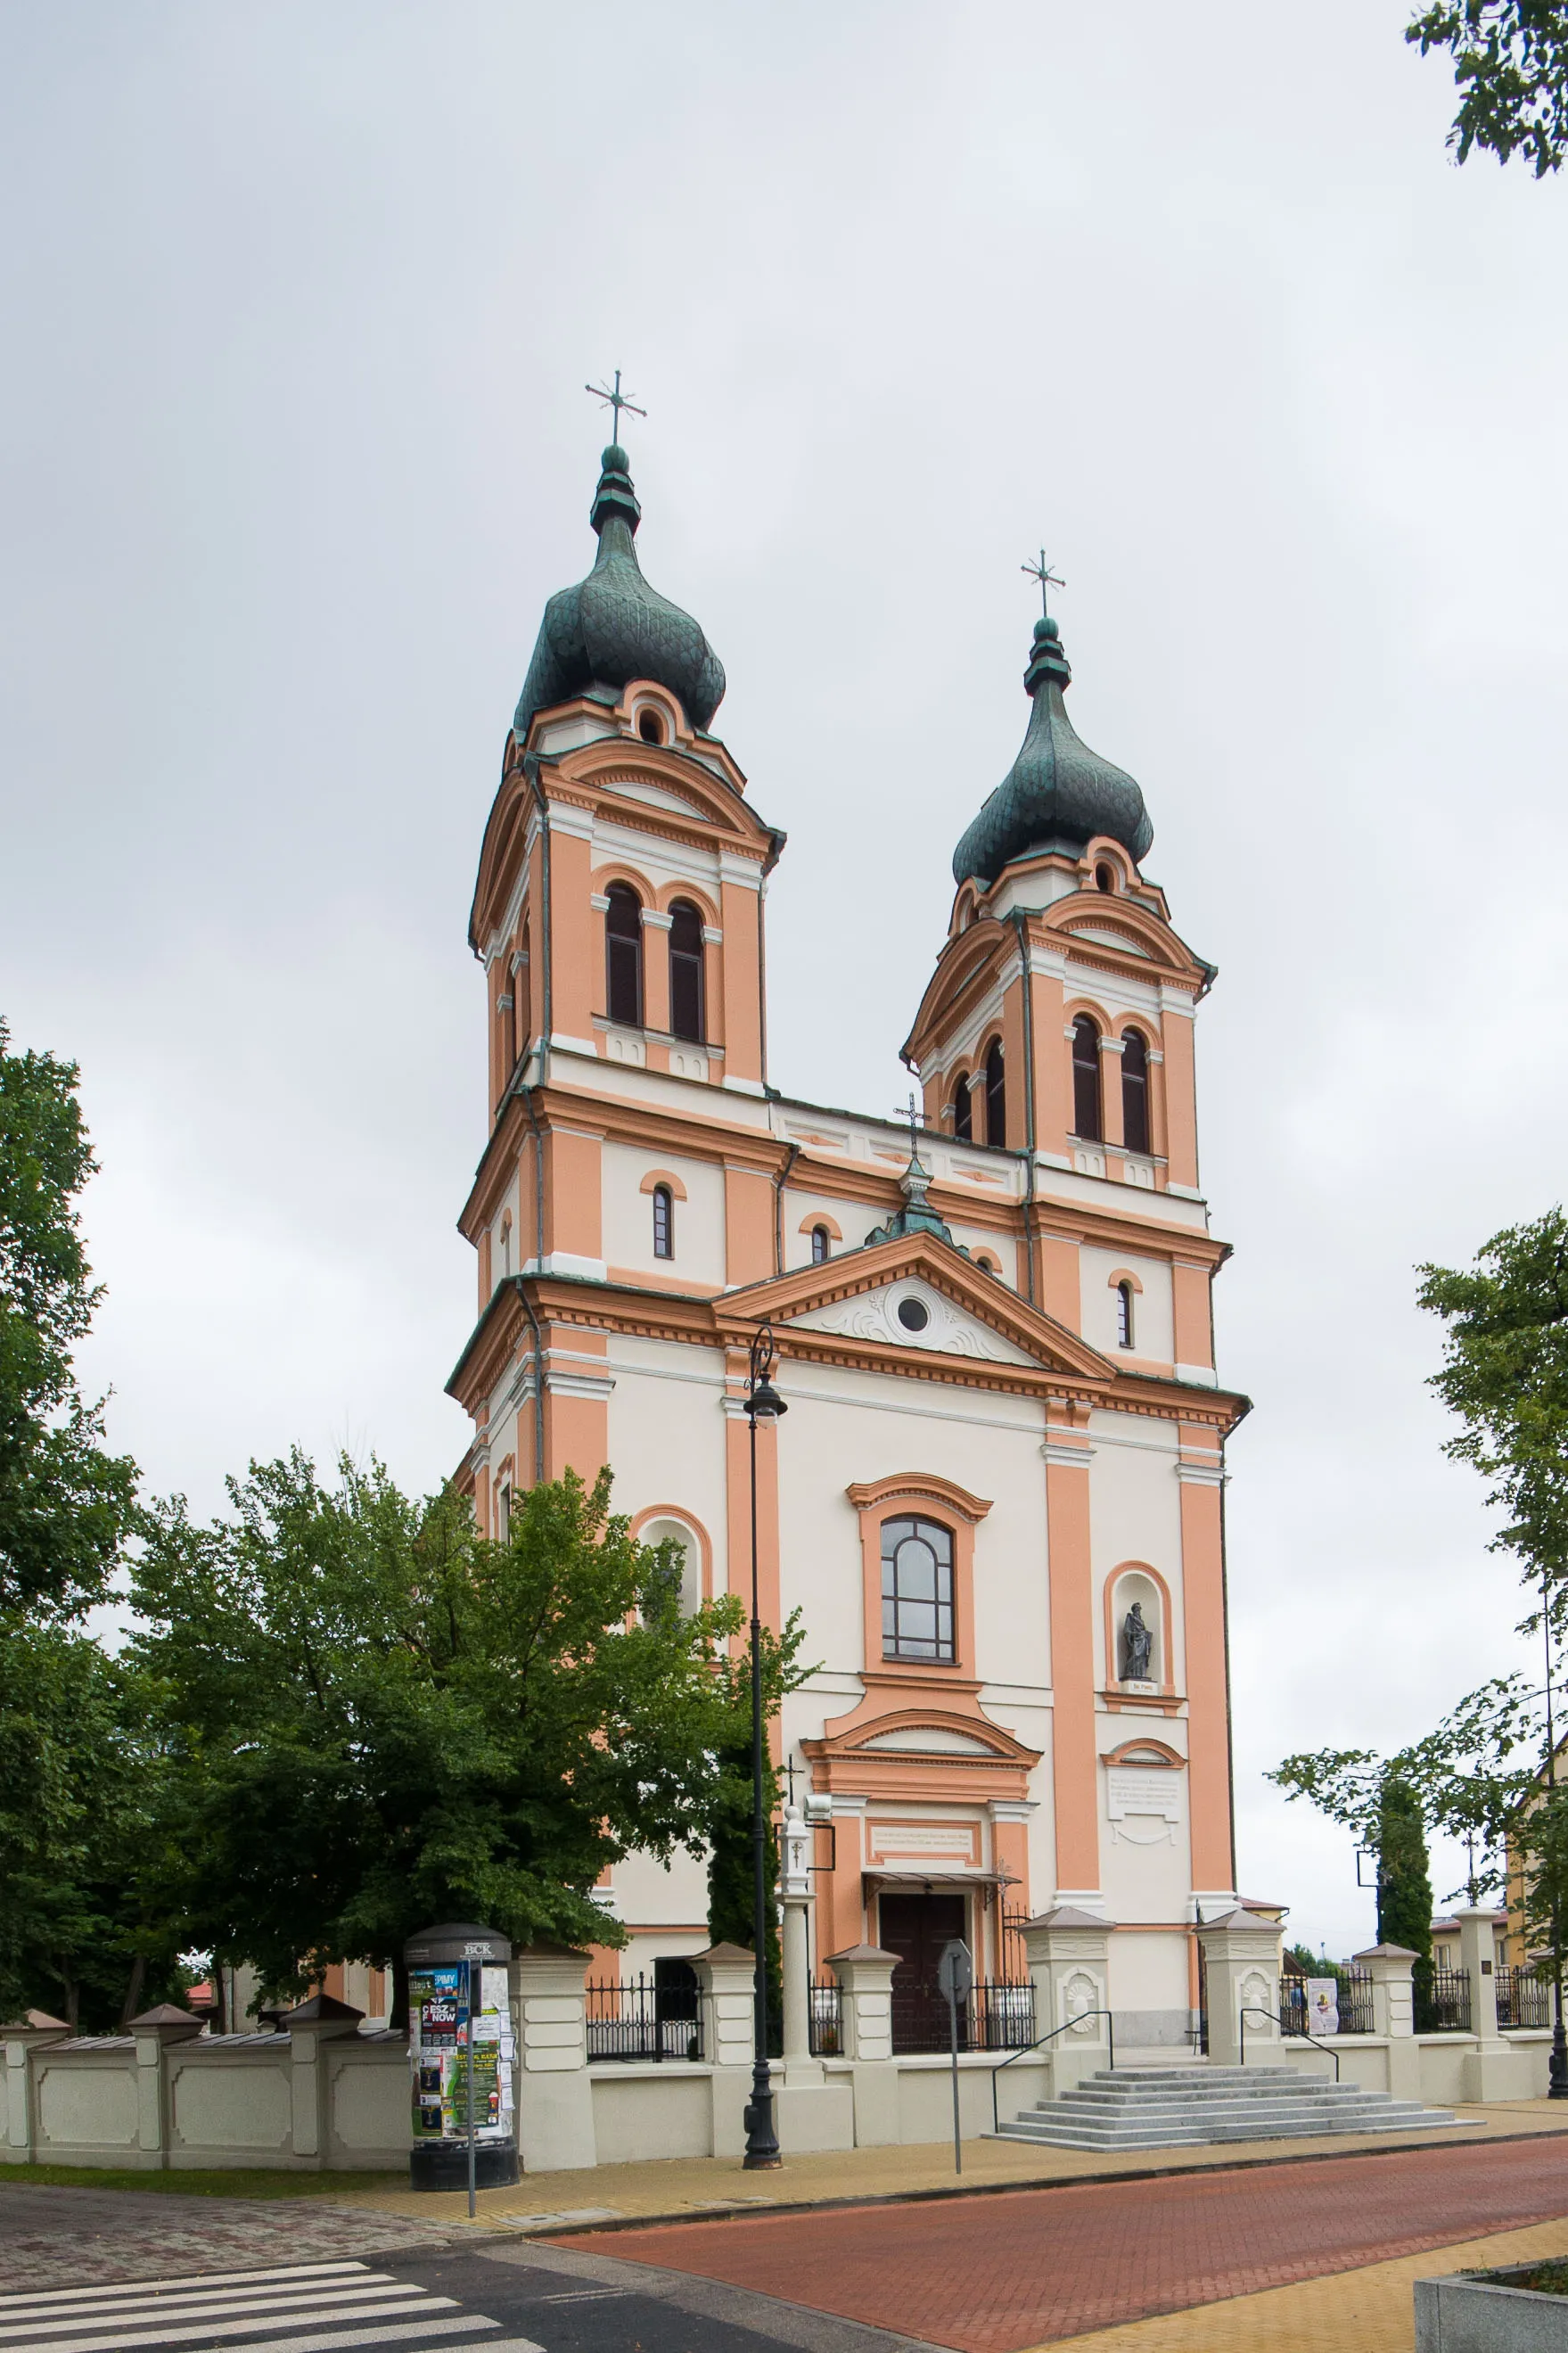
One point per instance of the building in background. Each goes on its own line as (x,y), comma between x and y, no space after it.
(998,1495)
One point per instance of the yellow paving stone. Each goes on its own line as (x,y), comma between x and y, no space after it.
(1368,2311)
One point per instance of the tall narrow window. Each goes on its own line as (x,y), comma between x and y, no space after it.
(663,1222)
(522,983)
(622,954)
(821,1245)
(1124,1314)
(917,1590)
(962,1116)
(996,1096)
(1135,1091)
(686,1006)
(1086,1119)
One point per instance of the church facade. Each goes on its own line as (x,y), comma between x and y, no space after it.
(997,1497)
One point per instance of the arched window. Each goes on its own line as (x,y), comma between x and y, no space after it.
(962,1114)
(686,1004)
(996,1096)
(917,1590)
(1086,1119)
(1135,1090)
(622,953)
(1124,1314)
(1105,878)
(506,1244)
(821,1245)
(986,1263)
(663,1222)
(650,726)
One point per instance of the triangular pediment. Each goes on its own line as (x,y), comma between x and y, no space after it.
(875,1297)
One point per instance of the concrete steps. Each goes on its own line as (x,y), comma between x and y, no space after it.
(1175,2107)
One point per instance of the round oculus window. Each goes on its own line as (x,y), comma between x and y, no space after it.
(913,1314)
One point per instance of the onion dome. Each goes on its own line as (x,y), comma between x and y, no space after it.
(613,628)
(1058,792)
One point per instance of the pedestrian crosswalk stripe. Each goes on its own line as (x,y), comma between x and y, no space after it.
(188,2283)
(226,2302)
(205,2333)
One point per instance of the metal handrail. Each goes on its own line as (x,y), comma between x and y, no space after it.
(1250,2009)
(1012,2058)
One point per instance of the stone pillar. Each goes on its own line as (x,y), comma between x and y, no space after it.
(1068,1955)
(726,1979)
(21,2038)
(1393,2015)
(797,1891)
(555,2091)
(864,1975)
(153,2031)
(1490,2071)
(311,2023)
(1241,1971)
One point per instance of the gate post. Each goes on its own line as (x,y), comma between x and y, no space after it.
(1068,1953)
(1241,1971)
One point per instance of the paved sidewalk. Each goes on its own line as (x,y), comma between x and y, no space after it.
(1367,2311)
(686,2187)
(53,2238)
(1032,2267)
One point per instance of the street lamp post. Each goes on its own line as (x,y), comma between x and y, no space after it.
(1557,2071)
(764,1403)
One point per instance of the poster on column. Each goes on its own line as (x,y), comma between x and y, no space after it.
(437,2042)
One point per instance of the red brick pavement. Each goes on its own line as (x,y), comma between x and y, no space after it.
(989,2275)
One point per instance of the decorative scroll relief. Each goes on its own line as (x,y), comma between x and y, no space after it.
(1080,1995)
(950,1330)
(1144,1807)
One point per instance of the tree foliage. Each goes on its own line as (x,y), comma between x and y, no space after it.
(1505,1374)
(1511,67)
(1403,1875)
(732,1870)
(65,1501)
(80,1781)
(381,1719)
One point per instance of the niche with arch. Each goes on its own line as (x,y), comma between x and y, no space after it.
(1138,1587)
(661,1524)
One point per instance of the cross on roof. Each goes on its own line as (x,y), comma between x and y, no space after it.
(616,400)
(909,1112)
(1047,578)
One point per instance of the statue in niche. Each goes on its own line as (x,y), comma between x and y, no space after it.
(1137,1646)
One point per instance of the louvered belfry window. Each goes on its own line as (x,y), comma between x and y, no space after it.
(1086,1119)
(686,1004)
(1135,1091)
(996,1096)
(623,956)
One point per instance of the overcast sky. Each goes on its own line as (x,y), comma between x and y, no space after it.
(299,303)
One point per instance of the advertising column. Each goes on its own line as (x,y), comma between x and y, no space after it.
(454,1969)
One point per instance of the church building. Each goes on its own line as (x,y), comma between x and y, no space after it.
(996,1498)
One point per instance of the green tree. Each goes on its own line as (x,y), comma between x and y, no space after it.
(1511,67)
(1403,1874)
(79,1786)
(380,1719)
(732,1869)
(65,1501)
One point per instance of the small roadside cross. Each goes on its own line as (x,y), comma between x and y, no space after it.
(616,400)
(1047,578)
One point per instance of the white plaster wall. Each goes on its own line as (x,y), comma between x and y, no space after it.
(847,1427)
(1150,1972)
(1152,1326)
(1144,1882)
(667,1435)
(655,1894)
(854,1219)
(628,1214)
(507,1207)
(999,1247)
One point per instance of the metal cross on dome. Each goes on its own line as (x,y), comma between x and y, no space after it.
(910,1112)
(616,400)
(1047,578)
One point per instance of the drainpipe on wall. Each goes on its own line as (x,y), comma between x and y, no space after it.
(528,1097)
(780,1181)
(1019,922)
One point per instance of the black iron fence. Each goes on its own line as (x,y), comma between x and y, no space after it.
(825,2022)
(999,2015)
(1441,1998)
(1352,2003)
(1522,1999)
(644,2018)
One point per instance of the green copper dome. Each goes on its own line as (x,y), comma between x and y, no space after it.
(613,628)
(1057,791)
